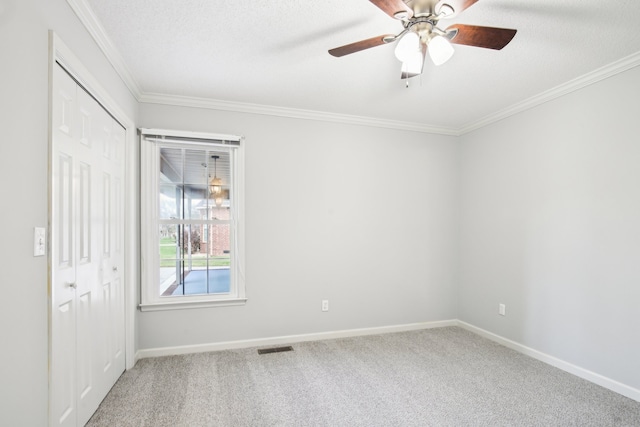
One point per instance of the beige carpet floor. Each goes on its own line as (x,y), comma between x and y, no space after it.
(435,377)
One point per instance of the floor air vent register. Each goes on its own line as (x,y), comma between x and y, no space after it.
(274,350)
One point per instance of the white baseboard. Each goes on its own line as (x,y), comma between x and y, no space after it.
(593,377)
(136,357)
(289,339)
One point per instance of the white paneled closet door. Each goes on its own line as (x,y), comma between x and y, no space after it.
(87,313)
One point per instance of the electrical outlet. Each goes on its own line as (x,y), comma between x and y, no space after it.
(502,310)
(325,305)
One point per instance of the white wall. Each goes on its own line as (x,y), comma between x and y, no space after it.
(361,216)
(550,226)
(24,26)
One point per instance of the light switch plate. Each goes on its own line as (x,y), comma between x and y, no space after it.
(39,241)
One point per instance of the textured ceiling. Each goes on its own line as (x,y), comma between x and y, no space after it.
(275,53)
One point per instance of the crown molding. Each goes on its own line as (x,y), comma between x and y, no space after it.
(595,76)
(296,113)
(88,18)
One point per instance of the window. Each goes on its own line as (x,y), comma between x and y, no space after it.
(192,230)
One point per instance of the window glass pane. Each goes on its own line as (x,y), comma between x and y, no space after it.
(196,201)
(170,201)
(219,280)
(170,257)
(192,182)
(217,250)
(171,165)
(169,248)
(219,178)
(196,167)
(220,242)
(189,265)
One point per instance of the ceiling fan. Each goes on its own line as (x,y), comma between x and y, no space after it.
(421,34)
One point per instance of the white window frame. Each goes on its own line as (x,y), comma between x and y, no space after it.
(150,221)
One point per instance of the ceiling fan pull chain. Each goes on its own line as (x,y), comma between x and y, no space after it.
(406,74)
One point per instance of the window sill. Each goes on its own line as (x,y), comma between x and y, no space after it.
(181,305)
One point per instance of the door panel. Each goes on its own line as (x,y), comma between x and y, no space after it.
(84,213)
(107,338)
(90,389)
(87,315)
(118,295)
(64,210)
(63,313)
(106,216)
(113,256)
(64,399)
(84,331)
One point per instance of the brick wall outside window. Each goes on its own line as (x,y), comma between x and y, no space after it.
(218,238)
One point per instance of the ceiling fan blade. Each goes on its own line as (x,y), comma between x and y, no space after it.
(391,7)
(458,5)
(358,46)
(487,37)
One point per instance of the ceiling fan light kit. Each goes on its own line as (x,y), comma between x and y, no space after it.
(402,15)
(408,45)
(421,33)
(440,50)
(446,11)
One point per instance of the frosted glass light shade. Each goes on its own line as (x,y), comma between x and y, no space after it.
(407,46)
(440,50)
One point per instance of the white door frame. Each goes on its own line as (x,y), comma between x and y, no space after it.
(60,53)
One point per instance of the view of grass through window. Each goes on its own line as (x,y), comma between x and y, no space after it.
(168,251)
